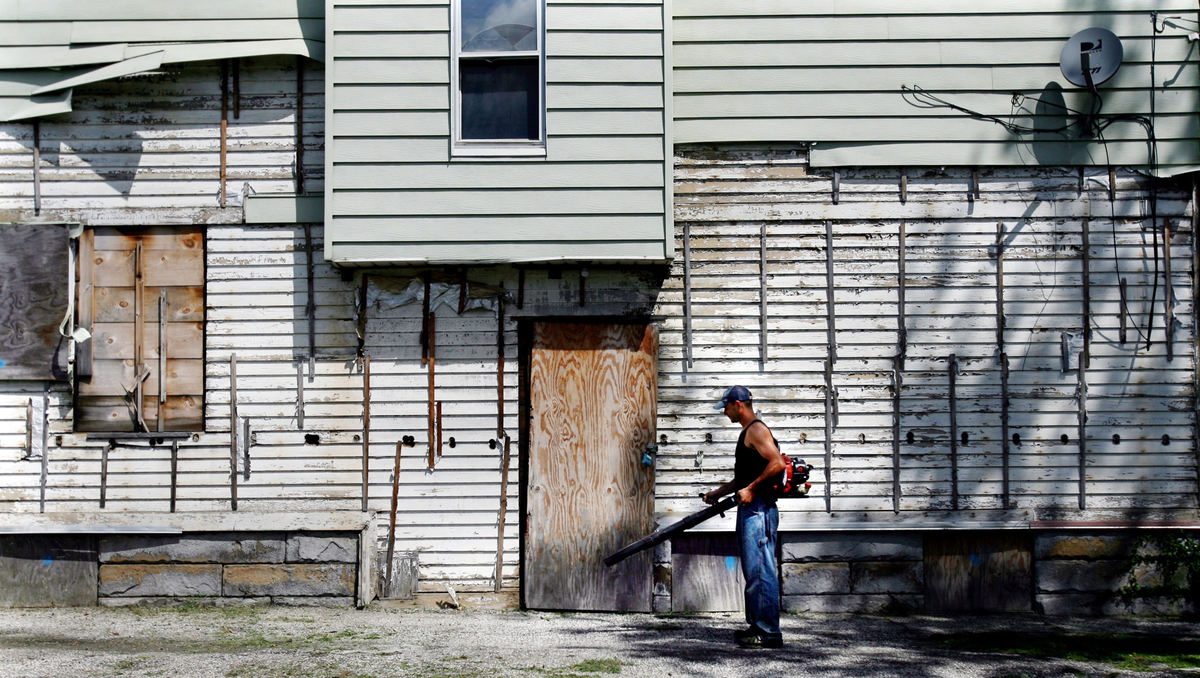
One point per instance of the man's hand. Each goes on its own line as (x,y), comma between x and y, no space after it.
(708,498)
(745,495)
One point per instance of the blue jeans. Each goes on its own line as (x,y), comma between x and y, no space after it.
(757,529)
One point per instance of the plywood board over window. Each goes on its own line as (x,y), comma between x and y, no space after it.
(142,370)
(33,301)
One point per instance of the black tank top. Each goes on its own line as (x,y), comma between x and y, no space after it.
(748,464)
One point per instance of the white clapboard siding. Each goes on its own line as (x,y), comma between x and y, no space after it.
(833,75)
(1135,395)
(151,143)
(390,157)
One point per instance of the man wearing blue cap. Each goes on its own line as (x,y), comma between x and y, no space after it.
(757,462)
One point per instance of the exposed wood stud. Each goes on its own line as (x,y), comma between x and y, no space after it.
(45,446)
(300,395)
(236,65)
(831,327)
(1168,291)
(901,320)
(1086,358)
(1080,184)
(139,348)
(366,434)
(897,386)
(174,473)
(903,186)
(299,125)
(462,290)
(520,288)
(391,547)
(500,362)
(86,298)
(952,375)
(1082,396)
(1124,291)
(504,464)
(37,167)
(224,128)
(247,441)
(29,429)
(829,425)
(1005,489)
(429,323)
(310,308)
(762,294)
(837,186)
(162,358)
(975,191)
(104,472)
(687,296)
(1112,184)
(425,332)
(583,276)
(233,432)
(438,427)
(1000,321)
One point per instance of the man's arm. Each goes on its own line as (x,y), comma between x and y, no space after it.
(759,438)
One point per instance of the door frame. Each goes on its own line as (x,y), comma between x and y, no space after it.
(525,324)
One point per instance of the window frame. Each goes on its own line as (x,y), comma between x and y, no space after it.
(460,147)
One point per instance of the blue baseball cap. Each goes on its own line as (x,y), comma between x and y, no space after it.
(734,394)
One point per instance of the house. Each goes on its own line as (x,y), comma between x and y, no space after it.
(334,301)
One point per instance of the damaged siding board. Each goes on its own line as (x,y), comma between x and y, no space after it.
(737,67)
(950,308)
(389,115)
(147,148)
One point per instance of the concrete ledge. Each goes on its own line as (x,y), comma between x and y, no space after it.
(313,601)
(167,601)
(91,522)
(320,548)
(892,578)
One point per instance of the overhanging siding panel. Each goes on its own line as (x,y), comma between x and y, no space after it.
(833,77)
(592,196)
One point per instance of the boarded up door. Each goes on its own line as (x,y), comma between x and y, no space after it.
(592,413)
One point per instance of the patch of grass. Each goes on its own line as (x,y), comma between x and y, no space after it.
(584,669)
(296,669)
(1130,652)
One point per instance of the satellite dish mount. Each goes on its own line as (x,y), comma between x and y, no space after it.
(1090,58)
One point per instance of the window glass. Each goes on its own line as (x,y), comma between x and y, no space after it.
(499,25)
(499,99)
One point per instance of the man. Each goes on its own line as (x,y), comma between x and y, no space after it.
(757,463)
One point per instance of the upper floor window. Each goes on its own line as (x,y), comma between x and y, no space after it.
(499,77)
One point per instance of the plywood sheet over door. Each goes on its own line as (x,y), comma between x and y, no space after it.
(592,391)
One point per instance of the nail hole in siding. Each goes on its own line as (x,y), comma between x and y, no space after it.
(1064,439)
(312,439)
(1116,439)
(910,438)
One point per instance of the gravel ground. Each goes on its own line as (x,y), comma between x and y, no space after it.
(245,642)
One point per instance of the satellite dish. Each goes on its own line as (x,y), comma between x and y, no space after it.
(1093,50)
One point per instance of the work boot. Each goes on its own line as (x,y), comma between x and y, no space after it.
(752,638)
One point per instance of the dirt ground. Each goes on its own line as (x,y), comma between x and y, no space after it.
(236,642)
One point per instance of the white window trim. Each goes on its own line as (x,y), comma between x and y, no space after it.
(494,147)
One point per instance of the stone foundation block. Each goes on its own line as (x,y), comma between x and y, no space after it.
(808,578)
(874,604)
(886,577)
(306,547)
(804,547)
(1077,546)
(299,579)
(194,548)
(160,580)
(1079,576)
(662,604)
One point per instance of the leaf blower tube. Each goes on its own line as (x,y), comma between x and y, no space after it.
(664,533)
(793,482)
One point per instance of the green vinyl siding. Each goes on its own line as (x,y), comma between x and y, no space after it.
(833,76)
(397,194)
